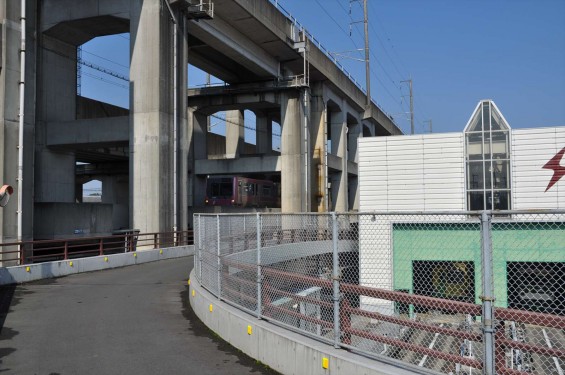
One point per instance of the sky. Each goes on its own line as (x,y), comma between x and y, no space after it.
(456,53)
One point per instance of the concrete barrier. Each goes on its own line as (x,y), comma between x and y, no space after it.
(284,351)
(47,270)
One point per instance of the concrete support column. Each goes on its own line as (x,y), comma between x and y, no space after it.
(54,172)
(235,134)
(197,150)
(184,222)
(318,131)
(339,149)
(151,117)
(292,138)
(10,12)
(354,133)
(264,135)
(353,188)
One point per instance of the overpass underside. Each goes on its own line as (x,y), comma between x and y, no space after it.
(153,158)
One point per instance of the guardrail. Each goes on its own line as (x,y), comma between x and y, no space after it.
(25,252)
(296,271)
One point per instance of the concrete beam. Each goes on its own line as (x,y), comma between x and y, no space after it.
(335,163)
(245,165)
(76,22)
(214,99)
(352,168)
(111,131)
(223,37)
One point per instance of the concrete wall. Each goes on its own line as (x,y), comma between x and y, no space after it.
(60,220)
(282,350)
(89,108)
(47,270)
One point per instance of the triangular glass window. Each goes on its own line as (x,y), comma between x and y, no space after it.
(497,121)
(476,123)
(487,137)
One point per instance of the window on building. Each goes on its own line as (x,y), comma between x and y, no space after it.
(487,159)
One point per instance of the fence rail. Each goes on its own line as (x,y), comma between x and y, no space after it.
(463,292)
(25,252)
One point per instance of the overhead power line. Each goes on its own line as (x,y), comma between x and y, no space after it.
(105,80)
(104,70)
(105,59)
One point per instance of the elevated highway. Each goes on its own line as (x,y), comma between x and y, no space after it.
(160,150)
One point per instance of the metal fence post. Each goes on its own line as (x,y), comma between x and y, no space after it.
(219,262)
(200,247)
(487,296)
(335,278)
(259,281)
(22,253)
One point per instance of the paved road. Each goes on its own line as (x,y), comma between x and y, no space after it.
(133,320)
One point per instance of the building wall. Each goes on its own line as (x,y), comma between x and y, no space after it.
(427,173)
(412,173)
(537,242)
(531,150)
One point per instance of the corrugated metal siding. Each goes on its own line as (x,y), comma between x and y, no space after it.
(412,173)
(531,150)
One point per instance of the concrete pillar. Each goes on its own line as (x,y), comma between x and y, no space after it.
(318,131)
(9,120)
(197,150)
(54,171)
(183,136)
(115,192)
(353,188)
(292,170)
(151,117)
(264,135)
(339,149)
(235,134)
(354,133)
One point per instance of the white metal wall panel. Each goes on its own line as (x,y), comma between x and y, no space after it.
(531,150)
(412,173)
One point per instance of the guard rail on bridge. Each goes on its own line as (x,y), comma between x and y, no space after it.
(26,252)
(451,292)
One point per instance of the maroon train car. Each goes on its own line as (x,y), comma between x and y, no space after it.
(242,192)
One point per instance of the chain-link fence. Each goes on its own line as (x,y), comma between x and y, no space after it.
(449,292)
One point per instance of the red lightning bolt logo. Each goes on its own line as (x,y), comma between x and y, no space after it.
(555,164)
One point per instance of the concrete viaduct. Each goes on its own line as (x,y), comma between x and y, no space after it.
(153,158)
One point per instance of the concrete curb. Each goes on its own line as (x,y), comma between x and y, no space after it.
(284,351)
(47,270)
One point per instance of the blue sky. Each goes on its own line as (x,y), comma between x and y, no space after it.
(456,52)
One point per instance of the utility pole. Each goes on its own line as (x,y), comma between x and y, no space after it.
(367,67)
(411,105)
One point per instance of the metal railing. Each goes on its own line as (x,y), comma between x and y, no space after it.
(26,252)
(456,293)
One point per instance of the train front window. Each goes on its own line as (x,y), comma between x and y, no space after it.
(250,189)
(221,189)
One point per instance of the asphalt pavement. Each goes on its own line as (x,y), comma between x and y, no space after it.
(132,320)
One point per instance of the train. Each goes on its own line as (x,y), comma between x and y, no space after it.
(242,192)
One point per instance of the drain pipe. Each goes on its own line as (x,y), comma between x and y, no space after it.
(21,119)
(175,118)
